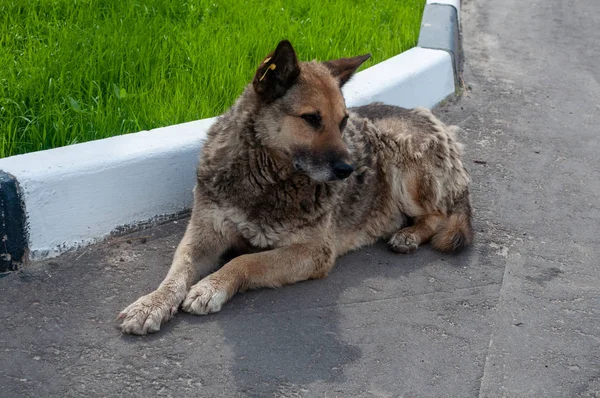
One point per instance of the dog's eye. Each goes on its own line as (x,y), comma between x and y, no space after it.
(314,119)
(343,123)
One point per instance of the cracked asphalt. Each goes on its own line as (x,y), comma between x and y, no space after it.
(517,315)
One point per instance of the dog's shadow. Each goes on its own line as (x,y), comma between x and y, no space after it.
(286,339)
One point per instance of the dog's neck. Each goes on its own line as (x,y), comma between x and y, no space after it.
(236,169)
(234,156)
(275,166)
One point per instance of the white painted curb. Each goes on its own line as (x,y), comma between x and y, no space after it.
(417,77)
(453,3)
(80,194)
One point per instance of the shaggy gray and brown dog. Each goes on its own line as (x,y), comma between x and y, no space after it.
(294,178)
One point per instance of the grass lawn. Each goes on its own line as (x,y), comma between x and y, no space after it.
(80,70)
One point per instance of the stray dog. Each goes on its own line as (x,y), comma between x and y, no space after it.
(293,175)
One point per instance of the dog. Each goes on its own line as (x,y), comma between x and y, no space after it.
(294,179)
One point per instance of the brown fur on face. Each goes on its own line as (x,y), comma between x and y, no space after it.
(303,111)
(298,194)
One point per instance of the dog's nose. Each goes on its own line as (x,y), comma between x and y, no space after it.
(342,170)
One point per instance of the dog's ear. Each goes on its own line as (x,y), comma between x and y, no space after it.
(277,73)
(344,68)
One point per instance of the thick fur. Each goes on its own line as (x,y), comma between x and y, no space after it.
(267,184)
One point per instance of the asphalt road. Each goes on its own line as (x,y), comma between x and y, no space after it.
(517,315)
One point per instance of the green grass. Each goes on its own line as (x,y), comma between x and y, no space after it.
(80,70)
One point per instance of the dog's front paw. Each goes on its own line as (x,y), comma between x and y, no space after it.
(147,314)
(205,297)
(402,242)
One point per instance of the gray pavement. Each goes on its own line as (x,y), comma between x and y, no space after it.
(517,315)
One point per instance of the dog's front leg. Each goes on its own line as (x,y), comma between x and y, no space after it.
(197,255)
(272,268)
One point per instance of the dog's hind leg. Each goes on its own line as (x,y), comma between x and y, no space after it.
(408,239)
(197,254)
(272,268)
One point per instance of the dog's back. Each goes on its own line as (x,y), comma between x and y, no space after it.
(408,169)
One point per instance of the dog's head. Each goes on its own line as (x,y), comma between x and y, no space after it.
(303,113)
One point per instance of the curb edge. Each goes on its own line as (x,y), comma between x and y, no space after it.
(440,30)
(13,231)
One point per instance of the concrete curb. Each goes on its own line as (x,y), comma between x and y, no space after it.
(77,195)
(453,3)
(440,29)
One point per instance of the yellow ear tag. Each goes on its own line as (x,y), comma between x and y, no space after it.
(271,67)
